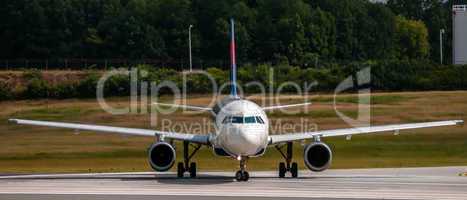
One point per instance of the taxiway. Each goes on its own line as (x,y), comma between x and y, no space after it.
(389,183)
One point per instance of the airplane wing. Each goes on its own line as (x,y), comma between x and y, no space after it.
(199,139)
(285,106)
(274,139)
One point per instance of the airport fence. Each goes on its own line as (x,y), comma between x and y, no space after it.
(104,64)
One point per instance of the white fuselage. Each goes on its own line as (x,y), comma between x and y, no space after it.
(242,129)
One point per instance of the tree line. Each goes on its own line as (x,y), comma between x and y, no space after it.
(406,75)
(298,32)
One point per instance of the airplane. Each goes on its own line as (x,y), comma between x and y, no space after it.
(242,132)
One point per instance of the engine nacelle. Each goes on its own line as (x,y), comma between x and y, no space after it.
(161,156)
(317,156)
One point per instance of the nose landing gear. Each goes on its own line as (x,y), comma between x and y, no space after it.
(288,166)
(242,174)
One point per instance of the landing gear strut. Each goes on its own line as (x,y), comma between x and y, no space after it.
(242,174)
(288,166)
(186,166)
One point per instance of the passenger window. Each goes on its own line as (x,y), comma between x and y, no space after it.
(258,118)
(237,120)
(250,120)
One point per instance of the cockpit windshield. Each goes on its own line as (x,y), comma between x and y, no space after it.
(243,120)
(250,120)
(237,120)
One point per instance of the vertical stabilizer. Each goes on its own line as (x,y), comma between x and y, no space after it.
(233,69)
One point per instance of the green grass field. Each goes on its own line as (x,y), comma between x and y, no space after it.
(26,149)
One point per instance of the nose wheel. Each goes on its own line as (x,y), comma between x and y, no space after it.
(242,174)
(288,166)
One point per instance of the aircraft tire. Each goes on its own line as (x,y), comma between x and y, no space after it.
(282,170)
(242,176)
(180,170)
(239,176)
(294,170)
(193,170)
(246,176)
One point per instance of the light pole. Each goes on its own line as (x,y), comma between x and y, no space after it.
(189,46)
(441,32)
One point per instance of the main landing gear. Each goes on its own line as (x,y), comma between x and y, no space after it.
(288,166)
(186,166)
(242,174)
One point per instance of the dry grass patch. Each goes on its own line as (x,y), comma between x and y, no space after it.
(27,149)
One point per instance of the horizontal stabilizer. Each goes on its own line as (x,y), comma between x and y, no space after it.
(198,108)
(285,106)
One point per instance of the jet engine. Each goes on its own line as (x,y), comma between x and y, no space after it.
(161,156)
(317,156)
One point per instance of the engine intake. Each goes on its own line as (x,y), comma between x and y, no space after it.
(317,156)
(161,156)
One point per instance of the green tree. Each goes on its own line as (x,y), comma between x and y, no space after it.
(412,38)
(24,33)
(321,33)
(438,16)
(212,26)
(376,32)
(57,29)
(280,29)
(348,15)
(411,9)
(126,33)
(171,19)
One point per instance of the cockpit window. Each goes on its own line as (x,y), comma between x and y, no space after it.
(259,120)
(237,120)
(241,120)
(250,120)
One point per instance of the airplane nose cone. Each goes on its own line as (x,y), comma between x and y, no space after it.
(243,142)
(250,139)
